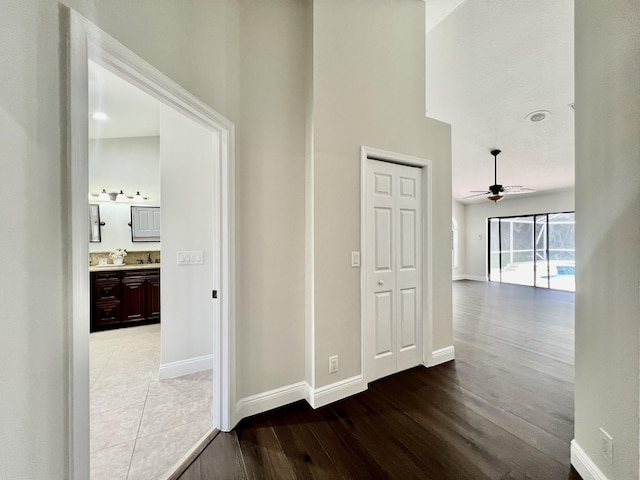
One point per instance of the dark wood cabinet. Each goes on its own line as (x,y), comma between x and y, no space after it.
(122,298)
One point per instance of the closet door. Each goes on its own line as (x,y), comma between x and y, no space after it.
(394,268)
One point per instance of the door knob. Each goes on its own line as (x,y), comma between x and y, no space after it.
(380,282)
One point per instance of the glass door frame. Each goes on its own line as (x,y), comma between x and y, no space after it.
(535,217)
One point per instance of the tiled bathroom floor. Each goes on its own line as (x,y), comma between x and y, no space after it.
(140,427)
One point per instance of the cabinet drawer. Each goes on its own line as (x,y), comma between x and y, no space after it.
(107,290)
(147,272)
(113,275)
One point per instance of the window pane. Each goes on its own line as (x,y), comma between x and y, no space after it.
(542,262)
(494,250)
(517,255)
(533,250)
(562,251)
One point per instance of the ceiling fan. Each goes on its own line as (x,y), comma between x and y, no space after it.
(496,191)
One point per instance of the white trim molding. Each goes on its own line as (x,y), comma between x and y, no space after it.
(442,355)
(584,465)
(455,278)
(271,399)
(185,367)
(333,392)
(475,278)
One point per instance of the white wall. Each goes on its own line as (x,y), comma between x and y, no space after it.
(368,90)
(187,157)
(476,223)
(607,231)
(129,164)
(270,194)
(33,323)
(458,211)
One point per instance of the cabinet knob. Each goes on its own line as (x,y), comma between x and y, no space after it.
(380,282)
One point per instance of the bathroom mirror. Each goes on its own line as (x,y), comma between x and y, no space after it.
(145,224)
(94,223)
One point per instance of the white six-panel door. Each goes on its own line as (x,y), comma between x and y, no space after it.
(393,265)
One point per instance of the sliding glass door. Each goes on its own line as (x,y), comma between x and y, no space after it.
(535,250)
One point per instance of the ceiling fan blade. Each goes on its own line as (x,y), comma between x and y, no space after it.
(517,190)
(478,194)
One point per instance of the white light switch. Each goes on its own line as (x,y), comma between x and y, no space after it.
(355,259)
(190,258)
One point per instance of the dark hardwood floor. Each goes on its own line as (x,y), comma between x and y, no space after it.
(502,410)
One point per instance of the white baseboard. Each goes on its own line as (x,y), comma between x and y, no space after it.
(442,355)
(584,465)
(336,391)
(271,399)
(185,367)
(458,277)
(476,278)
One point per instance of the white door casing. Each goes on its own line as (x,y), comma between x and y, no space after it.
(393,265)
(87,41)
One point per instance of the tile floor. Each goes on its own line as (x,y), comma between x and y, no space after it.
(140,427)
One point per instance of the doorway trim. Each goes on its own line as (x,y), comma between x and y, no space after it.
(88,42)
(427,284)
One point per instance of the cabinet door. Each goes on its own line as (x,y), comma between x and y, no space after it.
(133,299)
(145,224)
(153,297)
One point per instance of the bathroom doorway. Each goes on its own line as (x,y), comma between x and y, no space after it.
(88,43)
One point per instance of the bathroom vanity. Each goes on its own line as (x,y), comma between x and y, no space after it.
(124,296)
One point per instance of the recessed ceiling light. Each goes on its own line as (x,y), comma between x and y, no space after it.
(99,116)
(538,115)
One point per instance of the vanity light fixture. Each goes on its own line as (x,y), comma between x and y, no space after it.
(119,197)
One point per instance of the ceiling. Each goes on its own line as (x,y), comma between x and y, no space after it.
(130,111)
(489,64)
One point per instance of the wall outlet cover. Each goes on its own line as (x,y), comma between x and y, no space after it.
(333,364)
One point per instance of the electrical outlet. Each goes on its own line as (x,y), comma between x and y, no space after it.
(607,446)
(333,364)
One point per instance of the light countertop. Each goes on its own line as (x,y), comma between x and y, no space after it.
(126,266)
